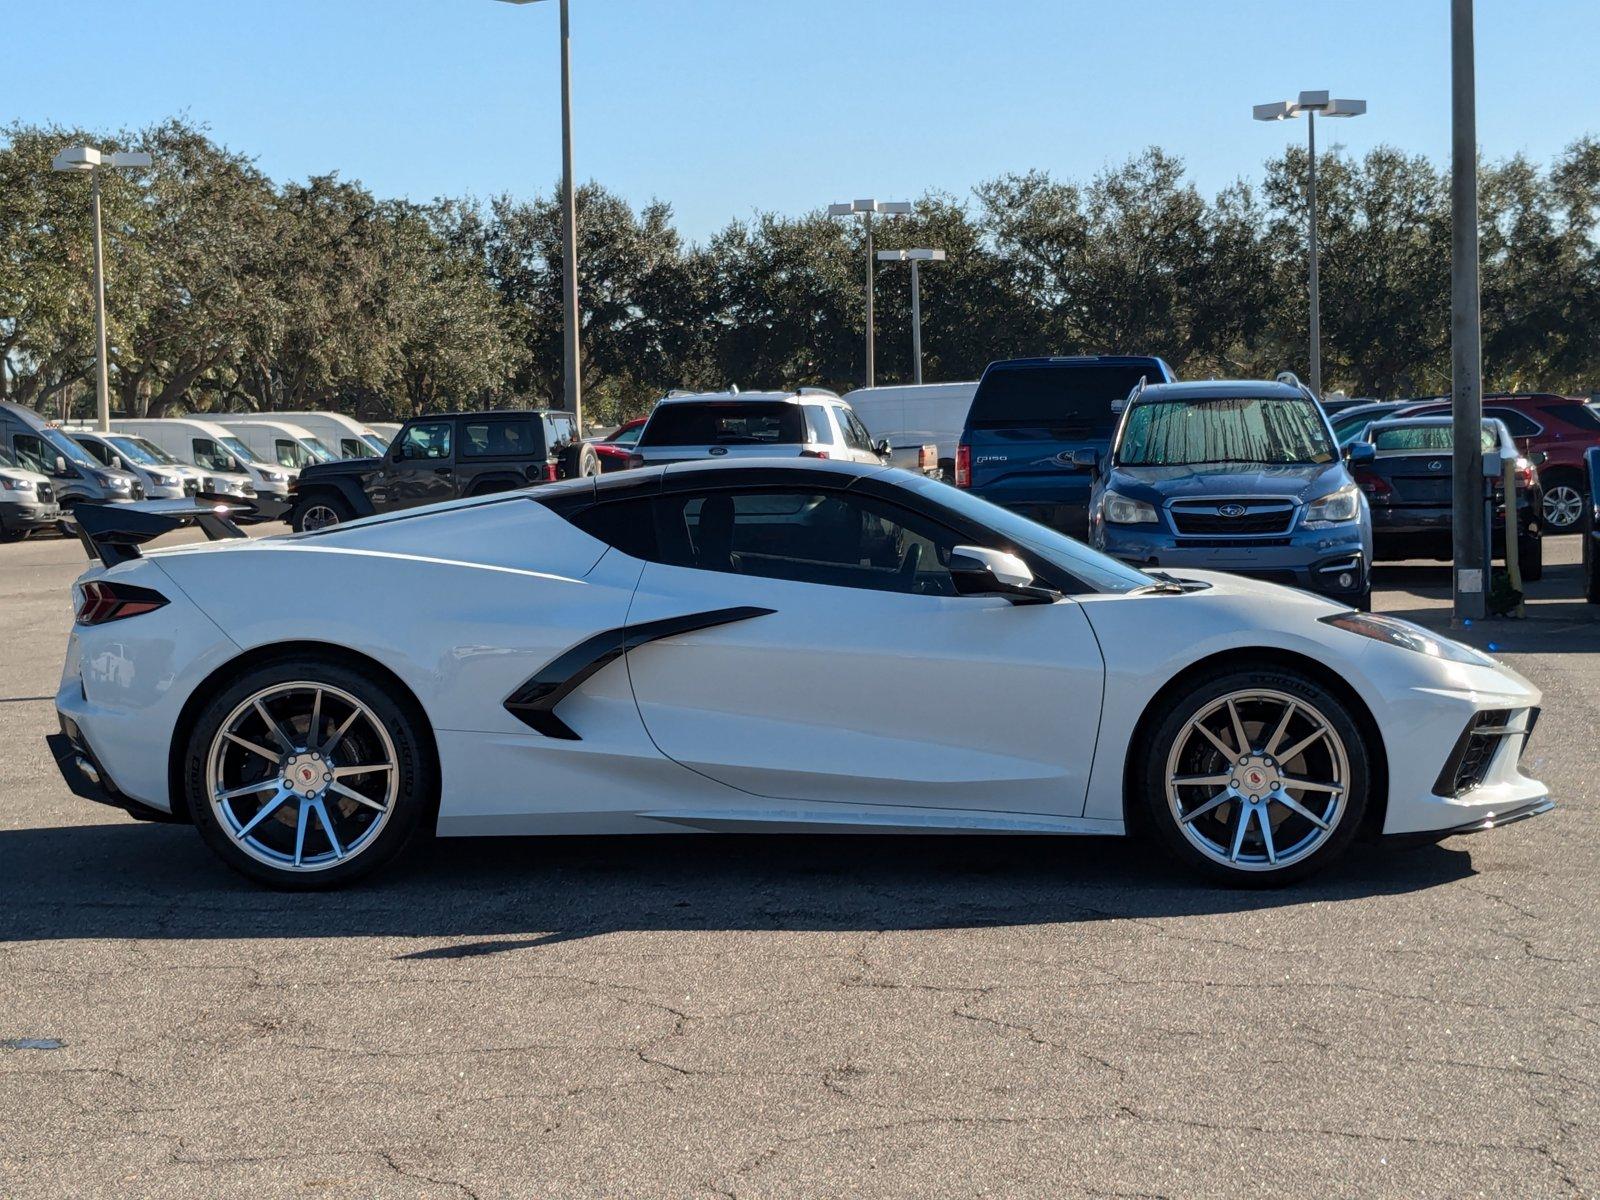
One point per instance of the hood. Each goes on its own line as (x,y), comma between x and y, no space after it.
(1302,482)
(351,468)
(32,477)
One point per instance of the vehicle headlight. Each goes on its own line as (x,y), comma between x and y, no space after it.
(1335,508)
(163,480)
(1407,636)
(1120,510)
(274,476)
(17,485)
(117,483)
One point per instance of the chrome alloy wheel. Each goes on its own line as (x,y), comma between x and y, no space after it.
(1562,507)
(318,516)
(1258,780)
(302,776)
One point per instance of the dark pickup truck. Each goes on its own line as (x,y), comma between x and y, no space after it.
(444,456)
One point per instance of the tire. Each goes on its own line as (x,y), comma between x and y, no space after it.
(313,838)
(318,511)
(1207,837)
(579,461)
(1563,504)
(1530,558)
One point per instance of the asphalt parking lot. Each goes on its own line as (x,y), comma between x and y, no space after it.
(801,1017)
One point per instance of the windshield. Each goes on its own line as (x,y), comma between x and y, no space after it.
(319,452)
(626,437)
(238,449)
(1098,571)
(376,444)
(139,452)
(1404,439)
(69,449)
(1242,429)
(725,423)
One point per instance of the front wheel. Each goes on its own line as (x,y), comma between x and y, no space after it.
(1563,506)
(306,773)
(1255,777)
(318,512)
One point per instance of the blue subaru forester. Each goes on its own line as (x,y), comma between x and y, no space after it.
(1235,476)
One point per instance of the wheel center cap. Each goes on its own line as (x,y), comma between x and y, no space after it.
(1255,778)
(306,774)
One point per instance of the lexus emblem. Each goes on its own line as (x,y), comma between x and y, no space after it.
(1230,510)
(1436,465)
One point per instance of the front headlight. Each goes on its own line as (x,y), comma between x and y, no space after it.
(274,476)
(117,483)
(1120,510)
(1407,636)
(1335,508)
(17,485)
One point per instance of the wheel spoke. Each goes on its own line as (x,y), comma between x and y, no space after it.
(350,792)
(1239,831)
(1304,744)
(327,826)
(314,725)
(272,725)
(1299,809)
(1283,728)
(1195,814)
(1190,780)
(1264,815)
(266,810)
(341,772)
(248,789)
(339,732)
(254,747)
(1222,747)
(1238,727)
(1312,785)
(301,820)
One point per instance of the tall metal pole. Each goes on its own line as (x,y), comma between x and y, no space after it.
(871,360)
(102,380)
(573,387)
(916,323)
(1466,346)
(1316,288)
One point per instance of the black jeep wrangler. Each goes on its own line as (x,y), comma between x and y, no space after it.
(442,457)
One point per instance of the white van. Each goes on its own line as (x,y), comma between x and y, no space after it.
(212,447)
(150,462)
(384,429)
(344,436)
(913,415)
(277,441)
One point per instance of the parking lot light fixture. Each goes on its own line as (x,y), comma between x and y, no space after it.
(866,209)
(916,258)
(1312,104)
(87,159)
(572,387)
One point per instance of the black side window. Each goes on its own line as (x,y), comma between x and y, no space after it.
(497,439)
(30,454)
(855,433)
(824,538)
(99,450)
(209,455)
(426,440)
(629,525)
(1517,423)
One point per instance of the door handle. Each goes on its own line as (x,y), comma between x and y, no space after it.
(442,471)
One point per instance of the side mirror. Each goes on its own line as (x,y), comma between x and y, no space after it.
(980,571)
(116,462)
(1086,459)
(1358,453)
(881,448)
(61,465)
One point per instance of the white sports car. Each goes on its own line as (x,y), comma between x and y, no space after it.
(772,646)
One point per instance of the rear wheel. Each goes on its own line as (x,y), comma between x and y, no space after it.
(1563,505)
(1254,778)
(319,512)
(579,461)
(306,774)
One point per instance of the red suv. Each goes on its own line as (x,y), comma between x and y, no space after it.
(1559,427)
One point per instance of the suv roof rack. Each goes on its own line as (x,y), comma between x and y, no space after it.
(816,391)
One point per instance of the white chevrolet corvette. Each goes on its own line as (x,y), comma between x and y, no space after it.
(772,646)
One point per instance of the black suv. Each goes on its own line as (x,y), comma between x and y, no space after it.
(444,456)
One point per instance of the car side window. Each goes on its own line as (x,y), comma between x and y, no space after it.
(1519,424)
(429,439)
(99,450)
(209,455)
(820,537)
(561,429)
(30,453)
(855,433)
(497,438)
(818,430)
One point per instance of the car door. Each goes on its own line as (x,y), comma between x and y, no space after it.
(842,666)
(419,468)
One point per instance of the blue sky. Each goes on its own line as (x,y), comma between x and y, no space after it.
(725,108)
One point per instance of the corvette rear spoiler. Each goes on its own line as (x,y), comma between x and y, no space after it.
(113,533)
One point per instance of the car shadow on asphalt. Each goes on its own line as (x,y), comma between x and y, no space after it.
(138,881)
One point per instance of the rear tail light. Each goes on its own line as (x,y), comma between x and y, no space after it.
(100,601)
(813,454)
(1525,474)
(550,475)
(635,460)
(963,466)
(1373,485)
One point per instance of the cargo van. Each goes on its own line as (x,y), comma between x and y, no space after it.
(27,500)
(213,448)
(39,445)
(916,415)
(344,437)
(278,441)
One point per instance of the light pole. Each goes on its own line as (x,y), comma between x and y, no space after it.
(1469,589)
(572,388)
(916,258)
(87,158)
(1312,103)
(866,208)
